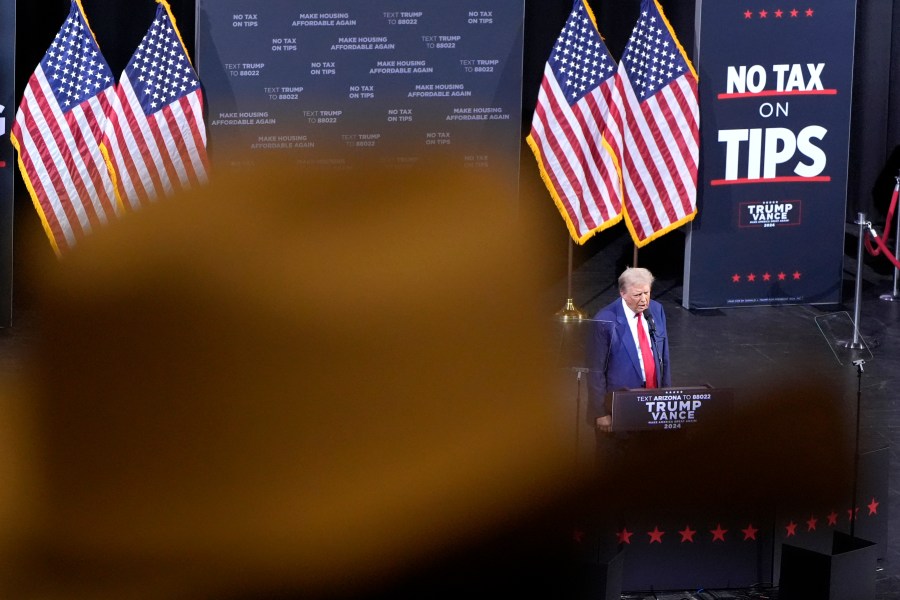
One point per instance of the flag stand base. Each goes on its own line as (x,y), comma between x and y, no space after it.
(569,313)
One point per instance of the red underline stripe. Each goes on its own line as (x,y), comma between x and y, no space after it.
(726,96)
(823,178)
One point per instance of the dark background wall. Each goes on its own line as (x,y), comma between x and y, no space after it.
(875,134)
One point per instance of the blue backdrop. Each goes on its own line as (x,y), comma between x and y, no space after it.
(328,83)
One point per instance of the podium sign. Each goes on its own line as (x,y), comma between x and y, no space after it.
(669,408)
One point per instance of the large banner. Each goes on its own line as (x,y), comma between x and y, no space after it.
(775,98)
(336,82)
(7,154)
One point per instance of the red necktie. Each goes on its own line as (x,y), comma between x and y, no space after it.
(646,354)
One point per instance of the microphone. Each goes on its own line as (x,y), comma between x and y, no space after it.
(651,323)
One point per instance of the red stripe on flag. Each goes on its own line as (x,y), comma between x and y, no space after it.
(594,171)
(628,156)
(46,162)
(107,194)
(126,163)
(609,178)
(167,173)
(178,151)
(133,149)
(574,149)
(188,129)
(684,161)
(668,163)
(198,128)
(551,140)
(92,204)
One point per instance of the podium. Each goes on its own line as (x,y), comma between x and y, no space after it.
(670,409)
(688,530)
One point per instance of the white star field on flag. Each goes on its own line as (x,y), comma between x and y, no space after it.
(159,69)
(74,65)
(651,56)
(580,59)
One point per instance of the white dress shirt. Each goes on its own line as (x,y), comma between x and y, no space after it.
(632,325)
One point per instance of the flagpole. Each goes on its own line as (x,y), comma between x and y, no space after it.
(634,257)
(569,312)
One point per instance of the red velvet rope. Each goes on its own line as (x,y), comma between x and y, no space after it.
(880,246)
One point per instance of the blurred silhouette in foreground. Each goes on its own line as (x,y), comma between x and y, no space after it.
(306,381)
(305,385)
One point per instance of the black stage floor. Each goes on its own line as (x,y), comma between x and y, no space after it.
(747,347)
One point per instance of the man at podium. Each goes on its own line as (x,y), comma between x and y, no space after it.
(628,347)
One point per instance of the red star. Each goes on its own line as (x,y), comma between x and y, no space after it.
(811,523)
(750,532)
(735,278)
(624,536)
(873,507)
(578,536)
(796,275)
(656,535)
(751,277)
(763,14)
(794,12)
(790,529)
(852,514)
(778,13)
(809,12)
(687,534)
(781,276)
(718,533)
(832,519)
(767,276)
(748,14)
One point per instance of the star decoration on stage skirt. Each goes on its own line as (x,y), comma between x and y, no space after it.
(741,532)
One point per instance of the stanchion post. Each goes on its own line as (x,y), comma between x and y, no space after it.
(857,299)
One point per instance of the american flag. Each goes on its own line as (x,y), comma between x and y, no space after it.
(657,139)
(567,131)
(156,137)
(58,128)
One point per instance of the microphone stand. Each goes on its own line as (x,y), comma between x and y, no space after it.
(651,325)
(580,373)
(853,506)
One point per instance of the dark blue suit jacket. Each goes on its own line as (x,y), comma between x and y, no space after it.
(613,356)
